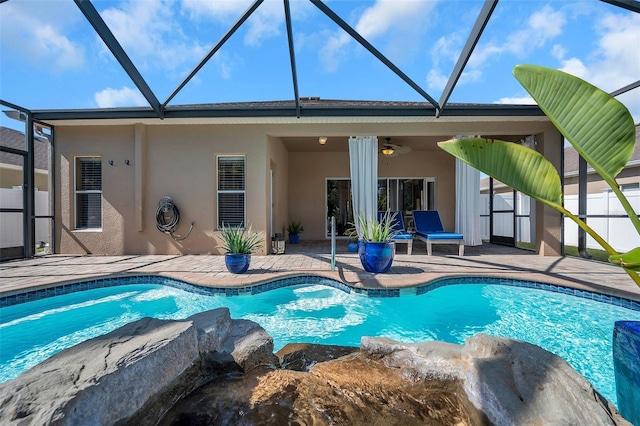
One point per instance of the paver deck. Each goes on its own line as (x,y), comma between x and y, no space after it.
(314,257)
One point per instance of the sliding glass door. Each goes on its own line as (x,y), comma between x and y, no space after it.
(398,194)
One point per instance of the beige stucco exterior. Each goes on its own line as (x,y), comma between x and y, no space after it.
(178,159)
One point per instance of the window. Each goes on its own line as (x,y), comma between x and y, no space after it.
(88,192)
(231,191)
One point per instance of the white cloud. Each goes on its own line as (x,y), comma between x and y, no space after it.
(543,26)
(125,97)
(558,51)
(265,22)
(151,35)
(392,26)
(616,62)
(332,53)
(525,100)
(37,32)
(575,67)
(436,80)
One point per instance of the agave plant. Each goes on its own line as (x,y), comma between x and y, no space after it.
(598,126)
(374,230)
(240,240)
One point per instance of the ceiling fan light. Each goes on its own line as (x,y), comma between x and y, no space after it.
(387,150)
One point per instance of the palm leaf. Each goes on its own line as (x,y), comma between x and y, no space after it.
(514,165)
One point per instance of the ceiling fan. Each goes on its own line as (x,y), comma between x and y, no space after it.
(393,150)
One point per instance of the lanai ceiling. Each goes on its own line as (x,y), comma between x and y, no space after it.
(299,104)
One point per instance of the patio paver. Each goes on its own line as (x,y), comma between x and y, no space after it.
(313,257)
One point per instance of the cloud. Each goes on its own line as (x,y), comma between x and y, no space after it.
(125,97)
(151,35)
(543,26)
(392,26)
(265,22)
(525,100)
(436,80)
(36,31)
(616,61)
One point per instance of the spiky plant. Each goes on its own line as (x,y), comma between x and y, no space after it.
(240,240)
(374,230)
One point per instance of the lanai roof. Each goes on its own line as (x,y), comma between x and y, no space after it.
(298,105)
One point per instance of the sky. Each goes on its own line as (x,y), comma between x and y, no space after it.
(50,57)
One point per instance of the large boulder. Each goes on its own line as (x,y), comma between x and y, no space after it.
(133,374)
(210,369)
(510,381)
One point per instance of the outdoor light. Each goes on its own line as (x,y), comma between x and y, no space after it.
(322,140)
(387,150)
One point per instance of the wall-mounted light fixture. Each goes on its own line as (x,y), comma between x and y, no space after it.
(322,140)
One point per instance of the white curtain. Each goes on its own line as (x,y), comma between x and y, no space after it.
(363,157)
(468,203)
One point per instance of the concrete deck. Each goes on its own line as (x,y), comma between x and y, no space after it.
(313,257)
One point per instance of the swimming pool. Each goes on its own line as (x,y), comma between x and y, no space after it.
(576,329)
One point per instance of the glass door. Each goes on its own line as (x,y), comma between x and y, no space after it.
(502,207)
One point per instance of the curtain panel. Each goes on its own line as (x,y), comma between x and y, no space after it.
(363,158)
(468,203)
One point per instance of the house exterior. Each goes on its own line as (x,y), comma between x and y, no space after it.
(263,170)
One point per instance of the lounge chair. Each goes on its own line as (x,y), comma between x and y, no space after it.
(397,226)
(430,230)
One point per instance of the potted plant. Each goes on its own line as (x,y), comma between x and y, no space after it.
(602,131)
(294,229)
(376,248)
(352,242)
(239,243)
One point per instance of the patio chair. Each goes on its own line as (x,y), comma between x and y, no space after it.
(397,226)
(430,230)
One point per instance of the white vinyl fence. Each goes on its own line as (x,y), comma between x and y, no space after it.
(619,232)
(11,223)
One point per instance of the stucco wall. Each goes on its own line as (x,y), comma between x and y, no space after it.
(179,162)
(308,172)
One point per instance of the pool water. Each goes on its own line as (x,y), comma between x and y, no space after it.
(578,330)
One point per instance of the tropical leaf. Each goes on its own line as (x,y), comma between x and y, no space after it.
(598,126)
(514,165)
(629,260)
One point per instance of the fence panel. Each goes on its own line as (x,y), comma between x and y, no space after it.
(11,224)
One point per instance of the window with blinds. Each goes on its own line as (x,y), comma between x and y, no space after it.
(88,192)
(231,191)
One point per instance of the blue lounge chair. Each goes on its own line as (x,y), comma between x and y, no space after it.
(397,226)
(430,230)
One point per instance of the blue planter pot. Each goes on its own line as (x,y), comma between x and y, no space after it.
(376,257)
(626,364)
(294,238)
(237,263)
(352,246)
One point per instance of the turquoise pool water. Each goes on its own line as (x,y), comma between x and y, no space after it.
(576,329)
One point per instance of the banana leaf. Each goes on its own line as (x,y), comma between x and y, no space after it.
(514,165)
(629,260)
(599,127)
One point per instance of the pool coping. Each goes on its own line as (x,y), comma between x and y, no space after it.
(19,296)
